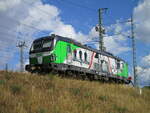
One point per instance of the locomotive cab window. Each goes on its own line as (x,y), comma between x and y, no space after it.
(47,43)
(42,45)
(80,55)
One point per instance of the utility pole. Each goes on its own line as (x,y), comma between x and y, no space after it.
(21,46)
(100,29)
(134,51)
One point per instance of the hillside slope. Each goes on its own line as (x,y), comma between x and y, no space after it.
(26,93)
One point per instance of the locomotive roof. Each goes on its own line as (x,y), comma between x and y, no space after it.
(70,40)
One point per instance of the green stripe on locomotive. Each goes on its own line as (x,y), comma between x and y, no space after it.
(124,72)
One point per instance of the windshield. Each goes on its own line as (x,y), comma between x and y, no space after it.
(42,45)
(47,43)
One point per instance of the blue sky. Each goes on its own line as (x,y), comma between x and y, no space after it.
(76,19)
(84,14)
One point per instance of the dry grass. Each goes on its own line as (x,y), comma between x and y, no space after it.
(26,93)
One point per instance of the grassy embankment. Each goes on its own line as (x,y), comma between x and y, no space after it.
(26,93)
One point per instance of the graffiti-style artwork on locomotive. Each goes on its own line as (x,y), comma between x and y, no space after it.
(63,55)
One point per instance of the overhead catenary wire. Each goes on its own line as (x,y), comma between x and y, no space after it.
(29,26)
(7,34)
(68,2)
(7,28)
(96,41)
(83,7)
(27,3)
(78,5)
(13,34)
(26,25)
(47,13)
(10,32)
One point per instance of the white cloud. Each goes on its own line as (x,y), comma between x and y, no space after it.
(143,75)
(142,28)
(142,18)
(115,45)
(8,4)
(146,61)
(144,70)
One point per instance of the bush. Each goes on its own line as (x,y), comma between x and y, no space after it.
(103,98)
(16,89)
(120,109)
(42,110)
(51,77)
(75,91)
(7,75)
(88,94)
(2,82)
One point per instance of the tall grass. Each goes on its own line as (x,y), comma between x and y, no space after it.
(27,93)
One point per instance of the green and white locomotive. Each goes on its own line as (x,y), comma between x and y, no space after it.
(68,57)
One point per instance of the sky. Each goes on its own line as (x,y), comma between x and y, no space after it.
(24,20)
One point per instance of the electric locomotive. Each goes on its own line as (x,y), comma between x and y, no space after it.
(69,57)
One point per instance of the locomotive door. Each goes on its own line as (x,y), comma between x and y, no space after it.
(97,62)
(69,54)
(103,64)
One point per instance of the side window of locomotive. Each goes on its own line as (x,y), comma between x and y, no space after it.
(80,55)
(121,67)
(96,66)
(68,48)
(96,56)
(75,54)
(118,64)
(104,66)
(102,61)
(85,57)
